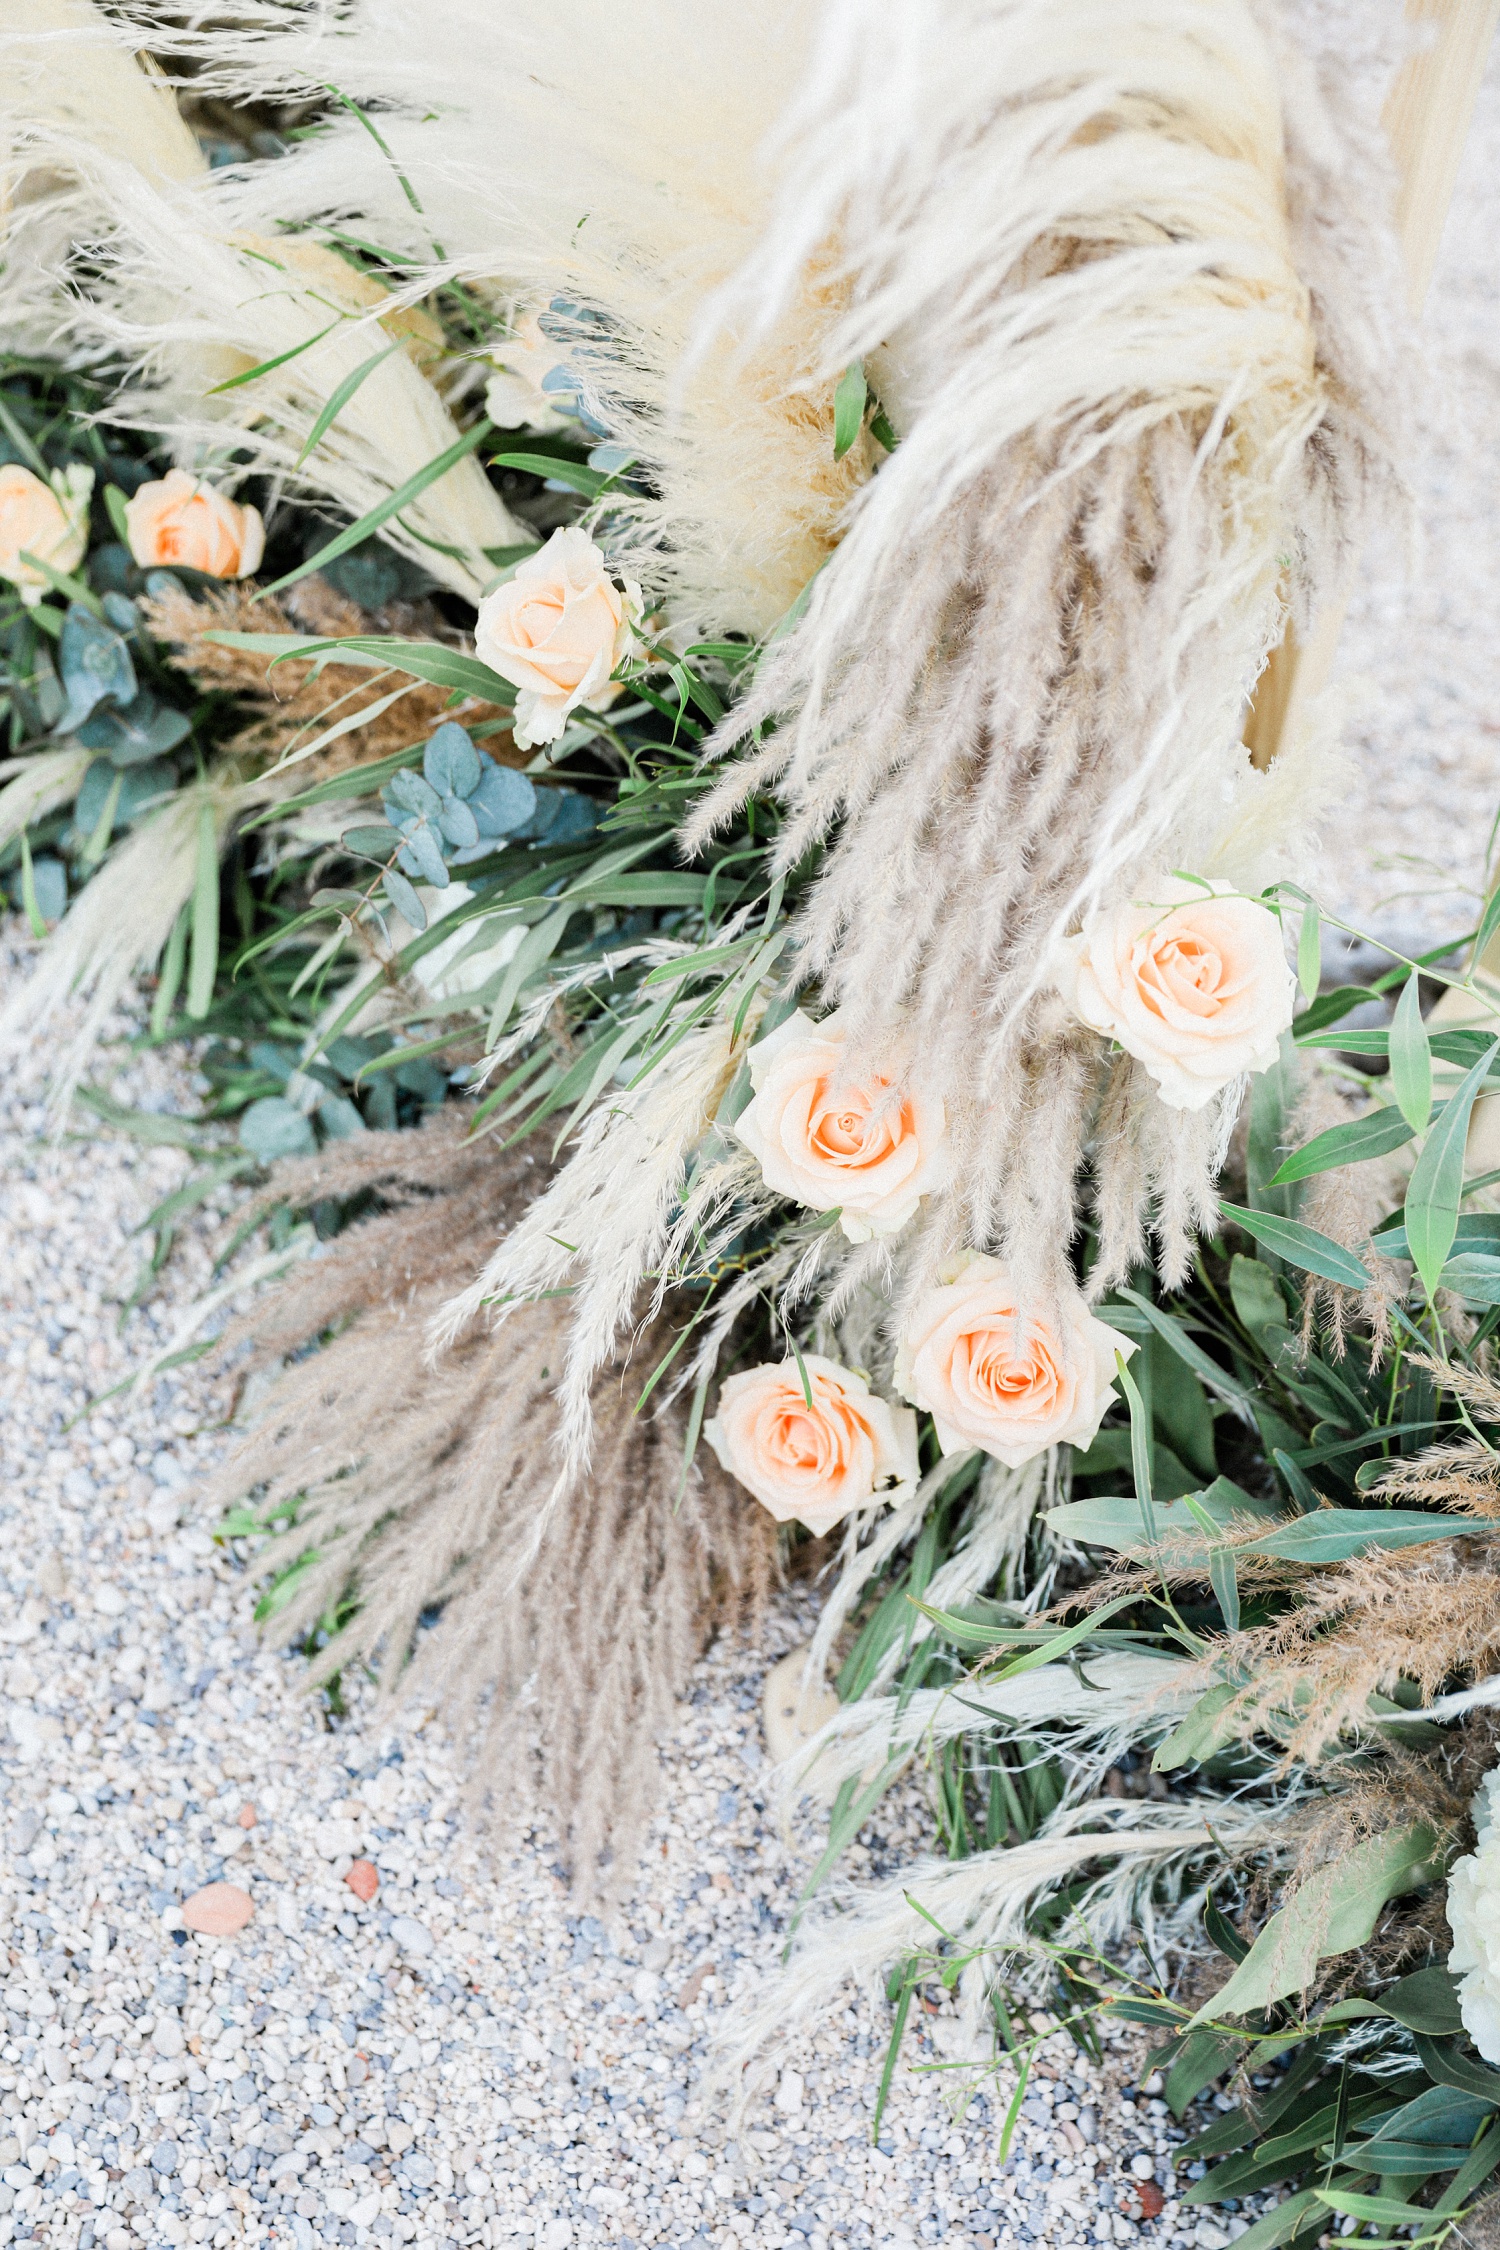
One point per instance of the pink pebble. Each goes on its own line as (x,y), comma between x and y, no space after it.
(218,1910)
(363,1879)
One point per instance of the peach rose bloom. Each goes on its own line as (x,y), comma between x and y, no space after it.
(813,1463)
(1009,1385)
(180,519)
(556,631)
(50,521)
(869,1149)
(1195,984)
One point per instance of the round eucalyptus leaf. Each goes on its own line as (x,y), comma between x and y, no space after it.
(457,822)
(504,800)
(51,880)
(451,762)
(421,856)
(375,841)
(339,1118)
(275,1127)
(143,729)
(404,898)
(95,666)
(407,792)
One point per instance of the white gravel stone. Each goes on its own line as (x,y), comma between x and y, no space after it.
(467,2060)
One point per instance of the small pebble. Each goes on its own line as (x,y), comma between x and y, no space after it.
(363,1879)
(218,1910)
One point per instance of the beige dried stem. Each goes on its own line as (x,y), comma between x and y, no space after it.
(417,1486)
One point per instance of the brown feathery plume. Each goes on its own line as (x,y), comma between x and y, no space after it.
(420,1484)
(1471,1384)
(295,696)
(1464,1476)
(1424,1615)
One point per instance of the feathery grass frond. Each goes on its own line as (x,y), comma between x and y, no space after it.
(417,1486)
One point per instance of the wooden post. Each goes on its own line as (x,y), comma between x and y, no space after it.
(1427,119)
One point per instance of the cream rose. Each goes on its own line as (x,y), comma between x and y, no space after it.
(815,1463)
(1474,1919)
(179,519)
(1009,1385)
(1195,984)
(50,521)
(869,1149)
(556,631)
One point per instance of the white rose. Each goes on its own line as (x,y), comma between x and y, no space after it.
(556,631)
(1474,1919)
(1194,982)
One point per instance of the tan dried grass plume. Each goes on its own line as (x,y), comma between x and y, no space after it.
(420,1485)
(296,695)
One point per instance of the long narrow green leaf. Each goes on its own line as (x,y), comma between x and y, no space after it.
(849,408)
(590,482)
(1301,1245)
(421,660)
(1140,1447)
(205,912)
(1375,1134)
(1435,1189)
(1330,1535)
(356,533)
(1310,955)
(34,918)
(268,366)
(330,413)
(1411,1057)
(169,982)
(1059,1644)
(1489,922)
(1173,1334)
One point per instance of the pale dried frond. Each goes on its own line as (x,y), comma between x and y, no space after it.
(1134,1870)
(1108,282)
(420,1486)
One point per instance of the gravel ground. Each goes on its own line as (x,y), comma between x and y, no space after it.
(461,2058)
(1421,650)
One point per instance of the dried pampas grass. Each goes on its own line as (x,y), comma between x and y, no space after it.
(1106,268)
(510,125)
(1131,1871)
(298,693)
(421,1485)
(118,251)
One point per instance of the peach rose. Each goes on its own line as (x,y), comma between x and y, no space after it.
(868,1149)
(556,631)
(50,521)
(180,519)
(1009,1385)
(1194,983)
(820,1462)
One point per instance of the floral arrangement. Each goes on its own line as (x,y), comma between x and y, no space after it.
(730,717)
